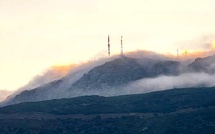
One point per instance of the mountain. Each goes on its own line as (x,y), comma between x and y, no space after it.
(189,110)
(38,94)
(165,68)
(107,79)
(206,65)
(114,73)
(122,71)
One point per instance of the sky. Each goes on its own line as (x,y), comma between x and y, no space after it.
(37,34)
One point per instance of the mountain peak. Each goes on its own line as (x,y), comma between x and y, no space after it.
(107,79)
(117,72)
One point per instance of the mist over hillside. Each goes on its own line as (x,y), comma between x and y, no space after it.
(137,72)
(4,94)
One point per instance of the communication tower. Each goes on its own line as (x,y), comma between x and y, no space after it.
(108,45)
(121,47)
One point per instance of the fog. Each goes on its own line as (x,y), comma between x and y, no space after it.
(146,85)
(51,75)
(4,94)
(46,81)
(170,82)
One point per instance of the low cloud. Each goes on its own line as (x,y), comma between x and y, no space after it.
(146,85)
(169,82)
(4,94)
(62,90)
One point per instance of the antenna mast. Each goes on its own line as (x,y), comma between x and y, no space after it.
(186,53)
(177,54)
(121,47)
(108,45)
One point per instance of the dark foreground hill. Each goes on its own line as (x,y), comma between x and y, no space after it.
(188,110)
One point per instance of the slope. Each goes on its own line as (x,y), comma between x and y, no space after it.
(155,102)
(176,111)
(114,73)
(206,65)
(109,77)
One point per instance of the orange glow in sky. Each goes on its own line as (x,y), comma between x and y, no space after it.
(213,44)
(63,70)
(37,34)
(189,54)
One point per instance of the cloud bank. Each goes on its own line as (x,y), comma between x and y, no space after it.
(63,90)
(185,80)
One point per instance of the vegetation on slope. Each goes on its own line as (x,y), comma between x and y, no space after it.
(175,111)
(156,102)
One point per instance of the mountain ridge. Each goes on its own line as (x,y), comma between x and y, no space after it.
(111,75)
(206,65)
(114,73)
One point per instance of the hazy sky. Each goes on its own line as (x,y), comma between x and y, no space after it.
(36,34)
